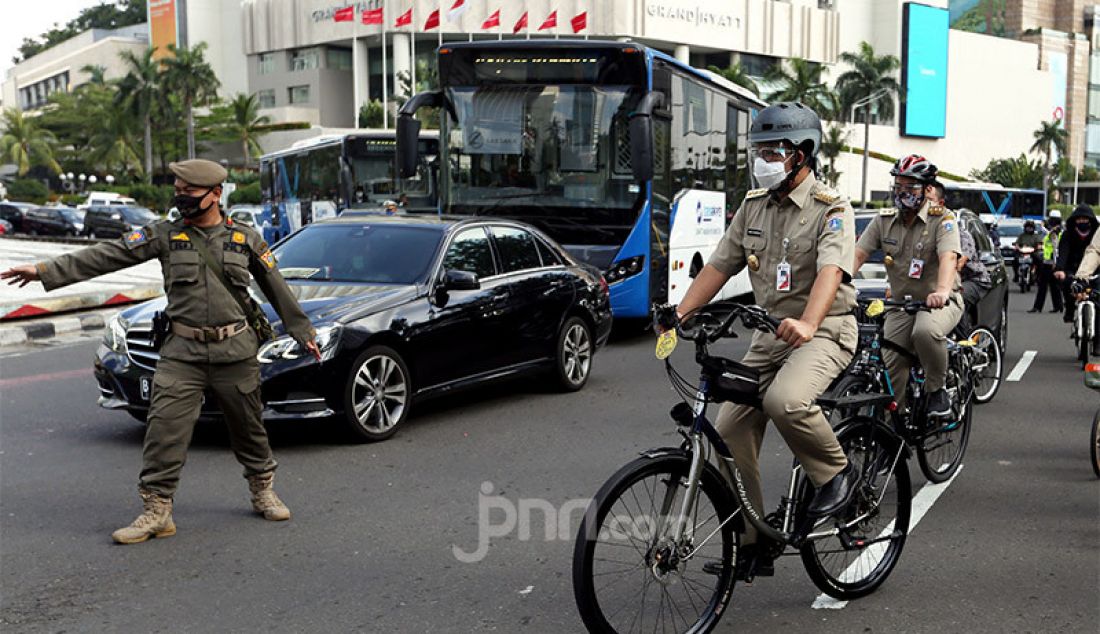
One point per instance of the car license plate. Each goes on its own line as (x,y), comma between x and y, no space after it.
(146,383)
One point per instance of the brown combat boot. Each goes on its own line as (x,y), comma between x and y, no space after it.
(264,500)
(154,521)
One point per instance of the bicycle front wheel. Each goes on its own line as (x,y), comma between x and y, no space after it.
(989,371)
(629,575)
(858,560)
(1094,445)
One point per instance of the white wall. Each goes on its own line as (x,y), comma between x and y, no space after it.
(996,98)
(218,23)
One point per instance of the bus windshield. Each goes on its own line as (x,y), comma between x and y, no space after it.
(542,150)
(372,169)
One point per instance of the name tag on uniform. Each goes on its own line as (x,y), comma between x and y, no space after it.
(916,268)
(783,277)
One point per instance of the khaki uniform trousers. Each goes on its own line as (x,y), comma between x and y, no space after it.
(177,397)
(926,333)
(793,378)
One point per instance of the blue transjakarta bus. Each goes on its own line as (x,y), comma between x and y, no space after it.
(991,198)
(633,161)
(323,176)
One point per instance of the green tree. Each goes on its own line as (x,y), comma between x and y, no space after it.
(1012,172)
(832,144)
(115,143)
(26,144)
(238,121)
(96,74)
(138,92)
(736,74)
(188,75)
(869,74)
(1051,137)
(370,114)
(800,80)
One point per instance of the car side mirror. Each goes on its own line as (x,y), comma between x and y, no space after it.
(460,281)
(641,136)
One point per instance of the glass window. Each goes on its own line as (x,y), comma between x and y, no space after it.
(338,58)
(549,257)
(345,252)
(268,63)
(516,248)
(298,94)
(470,251)
(266,98)
(305,59)
(138,215)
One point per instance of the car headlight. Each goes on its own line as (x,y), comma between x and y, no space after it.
(115,337)
(287,349)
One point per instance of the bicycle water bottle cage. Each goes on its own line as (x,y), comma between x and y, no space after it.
(732,381)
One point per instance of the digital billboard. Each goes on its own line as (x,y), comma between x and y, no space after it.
(924,71)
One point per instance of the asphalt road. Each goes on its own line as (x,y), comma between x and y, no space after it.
(1012,545)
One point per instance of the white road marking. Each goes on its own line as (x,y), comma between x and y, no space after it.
(1021,366)
(922,502)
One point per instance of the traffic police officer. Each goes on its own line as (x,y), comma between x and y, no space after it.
(211,345)
(797,238)
(920,242)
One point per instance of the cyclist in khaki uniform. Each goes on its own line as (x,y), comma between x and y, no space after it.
(920,244)
(211,344)
(797,238)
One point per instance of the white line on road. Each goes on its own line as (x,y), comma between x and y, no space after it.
(922,502)
(1021,366)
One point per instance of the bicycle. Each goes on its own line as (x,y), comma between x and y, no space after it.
(670,521)
(1084,317)
(1092,380)
(973,368)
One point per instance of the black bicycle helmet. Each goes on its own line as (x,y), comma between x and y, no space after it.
(917,167)
(788,121)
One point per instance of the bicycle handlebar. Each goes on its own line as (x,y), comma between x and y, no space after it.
(703,325)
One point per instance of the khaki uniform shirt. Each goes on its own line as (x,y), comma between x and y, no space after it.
(912,254)
(196,296)
(812,228)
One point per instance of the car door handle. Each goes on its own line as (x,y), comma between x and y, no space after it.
(501,297)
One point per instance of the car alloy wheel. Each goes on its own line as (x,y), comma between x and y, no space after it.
(574,354)
(378,394)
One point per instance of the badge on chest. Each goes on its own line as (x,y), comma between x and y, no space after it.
(916,268)
(783,271)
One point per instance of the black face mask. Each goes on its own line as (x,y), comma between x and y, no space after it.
(191,206)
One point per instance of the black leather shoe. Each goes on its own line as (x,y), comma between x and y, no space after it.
(939,404)
(835,494)
(1035,310)
(1056,310)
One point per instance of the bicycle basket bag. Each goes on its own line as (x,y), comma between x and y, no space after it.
(732,381)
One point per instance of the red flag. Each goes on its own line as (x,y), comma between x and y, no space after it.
(579,22)
(521,23)
(551,21)
(433,21)
(492,21)
(405,19)
(347,14)
(373,16)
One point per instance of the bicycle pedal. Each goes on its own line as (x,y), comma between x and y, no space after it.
(713,568)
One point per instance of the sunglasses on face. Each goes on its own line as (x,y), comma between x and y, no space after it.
(913,189)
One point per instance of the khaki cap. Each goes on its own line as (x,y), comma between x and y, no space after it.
(199,172)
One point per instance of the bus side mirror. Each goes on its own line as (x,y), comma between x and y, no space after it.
(408,131)
(641,136)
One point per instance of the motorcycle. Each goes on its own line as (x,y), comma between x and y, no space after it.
(1027,268)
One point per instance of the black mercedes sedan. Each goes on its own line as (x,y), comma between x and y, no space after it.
(405,307)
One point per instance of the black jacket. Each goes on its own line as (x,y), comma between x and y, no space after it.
(1071,246)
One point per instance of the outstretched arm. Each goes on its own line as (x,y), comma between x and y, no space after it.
(133,248)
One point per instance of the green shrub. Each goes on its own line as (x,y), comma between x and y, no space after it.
(243,177)
(28,190)
(72,200)
(155,197)
(246,195)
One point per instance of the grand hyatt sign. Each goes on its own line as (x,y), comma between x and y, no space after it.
(695,16)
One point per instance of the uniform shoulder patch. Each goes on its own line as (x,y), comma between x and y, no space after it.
(889,211)
(936,210)
(136,238)
(755,193)
(834,222)
(268,259)
(239,238)
(826,196)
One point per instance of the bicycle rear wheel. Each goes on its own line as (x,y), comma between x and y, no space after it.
(628,574)
(940,448)
(1095,444)
(987,379)
(856,562)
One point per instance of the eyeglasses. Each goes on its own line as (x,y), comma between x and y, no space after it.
(901,189)
(772,154)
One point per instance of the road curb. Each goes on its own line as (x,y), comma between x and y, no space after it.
(18,334)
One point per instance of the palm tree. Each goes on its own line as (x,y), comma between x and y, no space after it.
(736,74)
(246,125)
(1051,137)
(800,80)
(870,75)
(189,75)
(114,142)
(832,144)
(25,144)
(138,92)
(96,74)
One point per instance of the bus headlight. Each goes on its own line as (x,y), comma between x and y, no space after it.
(619,271)
(287,349)
(115,337)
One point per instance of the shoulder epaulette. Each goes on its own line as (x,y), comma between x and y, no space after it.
(826,197)
(936,210)
(888,211)
(755,193)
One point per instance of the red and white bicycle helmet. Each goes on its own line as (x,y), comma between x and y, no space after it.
(917,167)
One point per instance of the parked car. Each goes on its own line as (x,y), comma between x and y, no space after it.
(53,221)
(112,221)
(251,215)
(991,312)
(5,228)
(97,199)
(406,308)
(14,213)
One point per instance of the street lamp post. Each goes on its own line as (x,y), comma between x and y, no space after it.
(865,102)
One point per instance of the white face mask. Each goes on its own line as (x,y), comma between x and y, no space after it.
(768,175)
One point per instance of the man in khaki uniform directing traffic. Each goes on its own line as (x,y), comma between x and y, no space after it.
(797,239)
(212,343)
(919,239)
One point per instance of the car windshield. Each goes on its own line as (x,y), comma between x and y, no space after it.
(353,252)
(1010,231)
(861,225)
(138,215)
(72,215)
